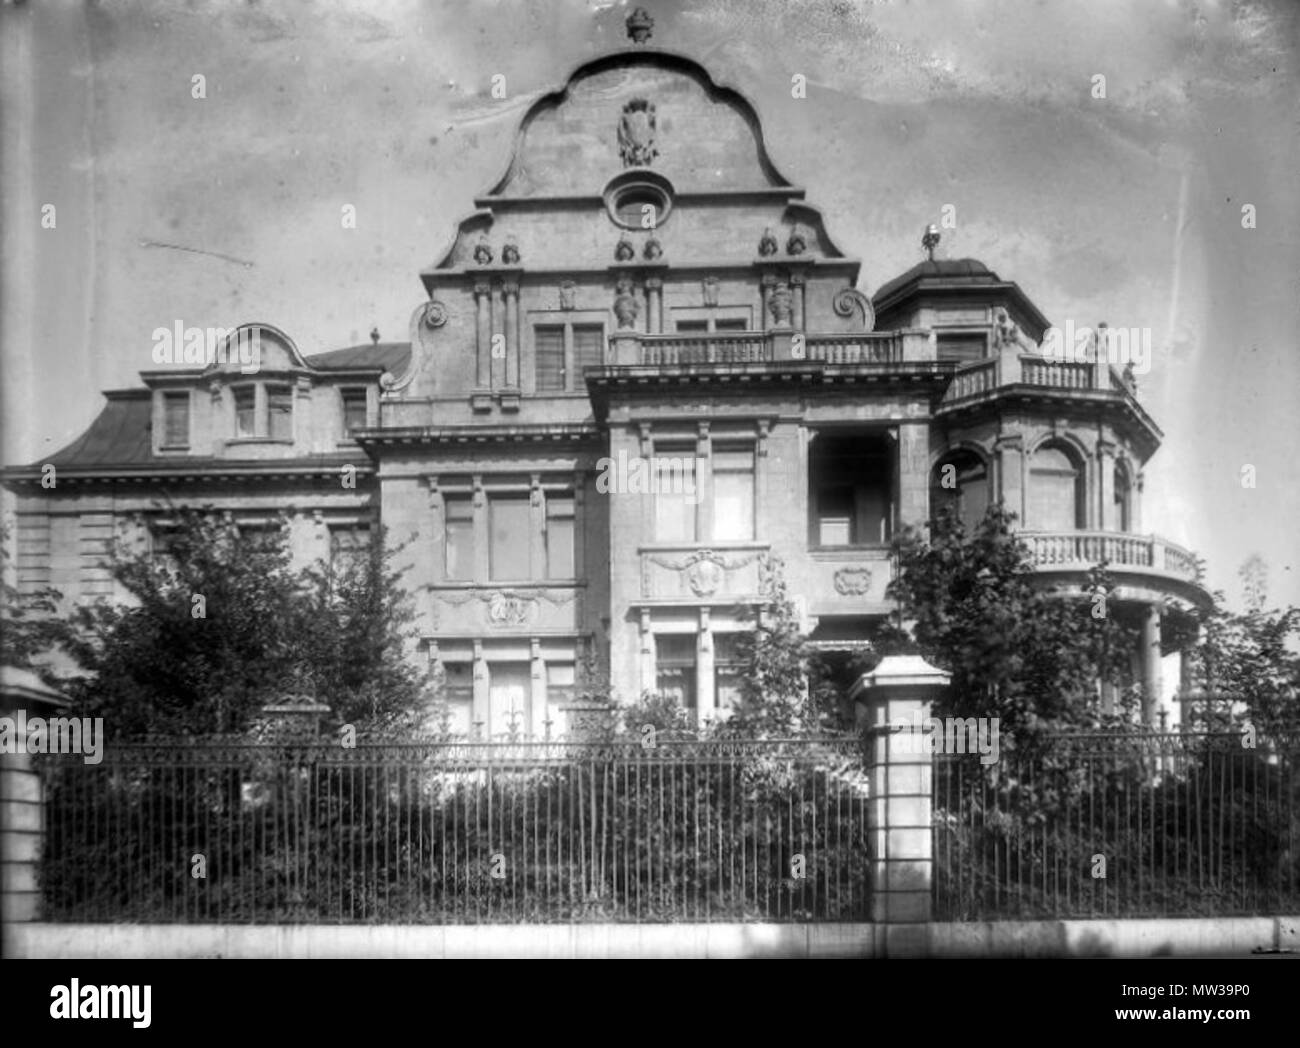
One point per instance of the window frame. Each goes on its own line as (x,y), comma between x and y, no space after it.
(171,397)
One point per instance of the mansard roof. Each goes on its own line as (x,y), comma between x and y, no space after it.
(954,277)
(386,356)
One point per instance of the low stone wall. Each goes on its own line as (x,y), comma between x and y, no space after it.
(1133,938)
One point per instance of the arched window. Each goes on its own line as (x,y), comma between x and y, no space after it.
(1057,499)
(1123,515)
(961,481)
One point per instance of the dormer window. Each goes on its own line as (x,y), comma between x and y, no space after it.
(263,411)
(176,419)
(354,409)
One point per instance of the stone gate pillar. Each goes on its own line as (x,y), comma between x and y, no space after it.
(22,823)
(893,704)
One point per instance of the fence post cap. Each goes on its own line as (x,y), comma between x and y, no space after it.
(901,671)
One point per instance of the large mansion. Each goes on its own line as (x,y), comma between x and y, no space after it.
(641,375)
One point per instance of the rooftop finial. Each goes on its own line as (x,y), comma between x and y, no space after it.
(639,25)
(374,335)
(931,240)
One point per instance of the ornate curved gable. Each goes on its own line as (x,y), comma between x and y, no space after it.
(639,108)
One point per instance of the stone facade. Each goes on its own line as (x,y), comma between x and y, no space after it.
(642,375)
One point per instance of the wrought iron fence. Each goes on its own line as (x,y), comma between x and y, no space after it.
(458,833)
(1118,825)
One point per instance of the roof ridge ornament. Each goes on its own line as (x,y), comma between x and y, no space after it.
(639,25)
(931,239)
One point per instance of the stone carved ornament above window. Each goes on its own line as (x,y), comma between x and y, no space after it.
(509,607)
(704,571)
(636,134)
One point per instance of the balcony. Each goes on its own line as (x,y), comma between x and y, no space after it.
(1128,557)
(628,348)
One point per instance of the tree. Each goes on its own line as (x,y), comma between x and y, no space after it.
(222,624)
(774,691)
(1247,664)
(1031,658)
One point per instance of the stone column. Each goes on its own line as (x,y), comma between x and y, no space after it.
(703,485)
(913,473)
(500,350)
(893,705)
(482,685)
(1150,656)
(537,704)
(797,285)
(705,704)
(510,291)
(22,819)
(1010,451)
(483,335)
(647,652)
(654,305)
(1106,519)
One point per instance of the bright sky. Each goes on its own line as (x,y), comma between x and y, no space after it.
(1126,208)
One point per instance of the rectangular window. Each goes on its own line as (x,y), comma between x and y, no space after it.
(733,493)
(728,670)
(459,538)
(963,348)
(850,495)
(509,533)
(731,324)
(675,667)
(349,547)
(692,327)
(672,476)
(548,350)
(354,410)
(559,537)
(560,692)
(458,690)
(176,419)
(588,349)
(279,409)
(162,543)
(245,411)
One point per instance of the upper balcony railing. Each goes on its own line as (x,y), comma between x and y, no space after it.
(1083,549)
(758,347)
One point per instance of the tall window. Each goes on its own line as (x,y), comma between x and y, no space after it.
(559,537)
(588,348)
(354,409)
(562,351)
(962,482)
(279,412)
(264,411)
(548,345)
(733,492)
(509,533)
(672,471)
(458,689)
(245,411)
(675,667)
(1123,498)
(728,670)
(1056,495)
(850,493)
(459,538)
(176,419)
